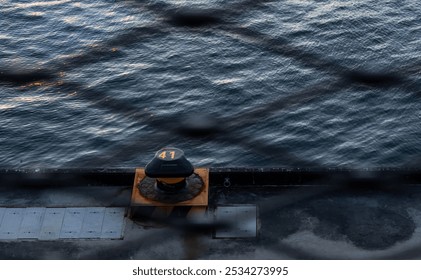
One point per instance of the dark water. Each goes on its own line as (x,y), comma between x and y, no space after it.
(124,99)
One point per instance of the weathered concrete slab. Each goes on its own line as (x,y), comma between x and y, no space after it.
(49,224)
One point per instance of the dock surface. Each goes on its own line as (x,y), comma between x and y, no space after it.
(252,214)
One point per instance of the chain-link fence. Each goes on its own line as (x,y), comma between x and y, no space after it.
(223,20)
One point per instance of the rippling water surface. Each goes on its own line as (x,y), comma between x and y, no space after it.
(127,79)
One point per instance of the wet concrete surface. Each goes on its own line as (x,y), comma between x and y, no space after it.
(330,221)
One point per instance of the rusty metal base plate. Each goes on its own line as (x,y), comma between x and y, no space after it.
(190,198)
(194,186)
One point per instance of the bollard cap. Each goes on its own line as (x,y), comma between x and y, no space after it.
(169,163)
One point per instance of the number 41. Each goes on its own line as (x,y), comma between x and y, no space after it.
(163,155)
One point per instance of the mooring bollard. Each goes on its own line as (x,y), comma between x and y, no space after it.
(169,185)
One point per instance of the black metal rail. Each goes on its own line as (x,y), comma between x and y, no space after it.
(226,177)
